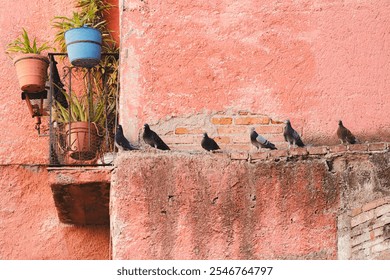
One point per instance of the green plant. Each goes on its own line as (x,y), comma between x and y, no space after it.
(23,44)
(81,110)
(91,13)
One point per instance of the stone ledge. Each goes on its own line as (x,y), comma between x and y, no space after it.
(266,154)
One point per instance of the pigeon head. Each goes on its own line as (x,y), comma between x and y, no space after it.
(340,122)
(146,126)
(205,135)
(287,122)
(119,128)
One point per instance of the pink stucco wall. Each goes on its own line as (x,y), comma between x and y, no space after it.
(29,225)
(312,61)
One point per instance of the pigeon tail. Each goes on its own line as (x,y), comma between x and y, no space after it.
(151,138)
(121,142)
(291,136)
(208,143)
(260,142)
(345,135)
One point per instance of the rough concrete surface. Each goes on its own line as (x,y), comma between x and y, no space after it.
(182,206)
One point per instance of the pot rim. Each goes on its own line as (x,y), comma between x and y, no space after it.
(23,56)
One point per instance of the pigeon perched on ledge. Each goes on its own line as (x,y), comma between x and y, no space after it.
(291,136)
(208,143)
(121,142)
(345,135)
(259,141)
(151,138)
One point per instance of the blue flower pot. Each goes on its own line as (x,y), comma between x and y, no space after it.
(84,46)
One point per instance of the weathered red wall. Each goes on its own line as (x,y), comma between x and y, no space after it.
(29,225)
(312,61)
(181,206)
(315,203)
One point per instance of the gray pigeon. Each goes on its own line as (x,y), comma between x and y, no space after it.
(121,142)
(259,141)
(345,135)
(208,143)
(291,136)
(151,138)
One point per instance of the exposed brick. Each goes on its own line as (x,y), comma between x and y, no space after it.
(338,148)
(239,155)
(221,120)
(359,229)
(358,147)
(241,139)
(259,155)
(320,150)
(269,129)
(222,139)
(377,146)
(185,130)
(243,113)
(360,238)
(380,247)
(251,120)
(356,211)
(361,218)
(278,153)
(178,139)
(373,204)
(381,210)
(276,122)
(298,151)
(275,138)
(233,130)
(235,147)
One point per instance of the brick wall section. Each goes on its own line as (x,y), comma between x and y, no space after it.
(370,234)
(230,131)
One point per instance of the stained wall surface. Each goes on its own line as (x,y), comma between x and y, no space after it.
(181,206)
(312,61)
(315,203)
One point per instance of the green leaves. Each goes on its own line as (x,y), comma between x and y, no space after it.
(22,44)
(81,110)
(91,13)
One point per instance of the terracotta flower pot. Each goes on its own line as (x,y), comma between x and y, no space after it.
(31,70)
(82,140)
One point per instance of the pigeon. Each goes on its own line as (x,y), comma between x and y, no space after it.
(151,138)
(121,142)
(291,136)
(345,135)
(259,141)
(208,143)
(58,90)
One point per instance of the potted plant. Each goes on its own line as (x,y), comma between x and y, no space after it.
(81,37)
(81,124)
(31,66)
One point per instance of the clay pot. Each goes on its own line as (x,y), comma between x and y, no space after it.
(31,70)
(82,140)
